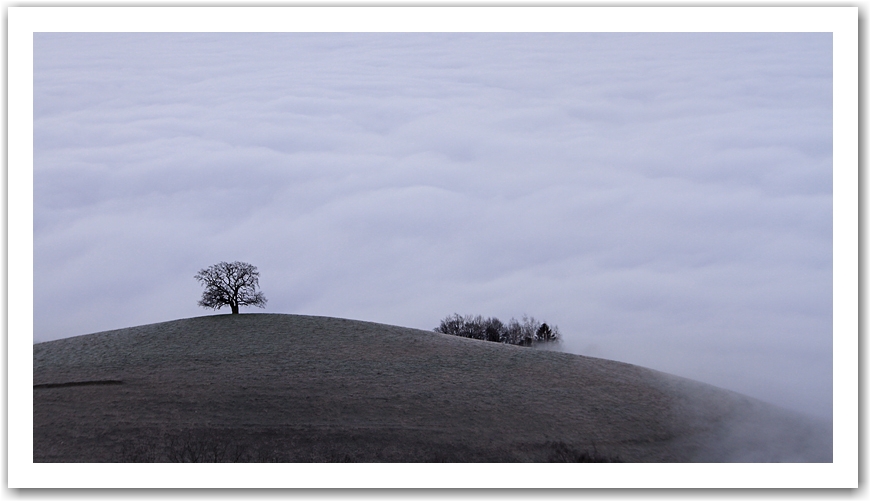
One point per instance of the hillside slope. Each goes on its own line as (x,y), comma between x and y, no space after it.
(269,387)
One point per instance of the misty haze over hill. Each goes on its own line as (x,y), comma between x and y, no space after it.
(665,198)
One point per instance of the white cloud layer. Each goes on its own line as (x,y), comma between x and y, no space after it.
(665,199)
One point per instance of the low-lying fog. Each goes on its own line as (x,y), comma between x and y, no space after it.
(664,198)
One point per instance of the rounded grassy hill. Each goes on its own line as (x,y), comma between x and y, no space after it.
(293,388)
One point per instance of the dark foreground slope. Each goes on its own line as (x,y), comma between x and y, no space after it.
(263,387)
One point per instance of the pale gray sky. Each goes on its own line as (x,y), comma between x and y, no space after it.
(665,199)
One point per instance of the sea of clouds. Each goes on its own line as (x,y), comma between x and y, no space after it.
(664,198)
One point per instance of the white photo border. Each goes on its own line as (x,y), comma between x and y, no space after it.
(842,22)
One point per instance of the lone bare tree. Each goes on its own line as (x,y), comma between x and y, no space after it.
(230,284)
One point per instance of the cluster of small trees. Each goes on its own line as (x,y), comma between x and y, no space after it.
(521,333)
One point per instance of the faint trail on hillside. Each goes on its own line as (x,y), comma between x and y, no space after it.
(77,383)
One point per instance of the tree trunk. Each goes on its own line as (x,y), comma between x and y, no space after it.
(235,308)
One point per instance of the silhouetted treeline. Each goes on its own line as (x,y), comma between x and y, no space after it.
(521,333)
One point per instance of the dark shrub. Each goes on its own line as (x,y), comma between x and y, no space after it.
(563,453)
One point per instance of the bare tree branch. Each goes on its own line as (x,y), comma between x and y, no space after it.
(230,284)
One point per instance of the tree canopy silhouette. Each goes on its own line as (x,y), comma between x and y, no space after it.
(527,332)
(230,284)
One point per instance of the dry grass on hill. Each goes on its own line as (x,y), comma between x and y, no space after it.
(291,388)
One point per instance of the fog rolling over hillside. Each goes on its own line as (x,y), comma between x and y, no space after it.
(292,388)
(665,198)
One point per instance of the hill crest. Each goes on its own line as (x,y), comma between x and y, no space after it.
(307,388)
